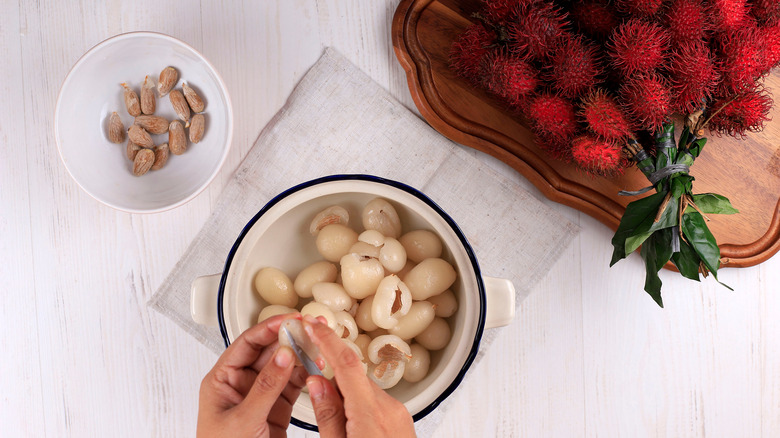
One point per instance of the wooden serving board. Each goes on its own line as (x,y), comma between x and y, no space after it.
(747,171)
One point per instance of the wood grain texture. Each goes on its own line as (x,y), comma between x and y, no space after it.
(423,33)
(589,354)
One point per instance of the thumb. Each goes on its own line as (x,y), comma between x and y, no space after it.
(268,385)
(328,407)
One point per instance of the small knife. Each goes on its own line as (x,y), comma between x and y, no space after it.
(308,364)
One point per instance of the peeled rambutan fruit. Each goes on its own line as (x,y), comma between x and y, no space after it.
(508,76)
(468,50)
(647,100)
(741,58)
(553,117)
(728,14)
(747,112)
(537,30)
(639,8)
(637,46)
(604,117)
(595,17)
(687,20)
(575,68)
(597,156)
(766,11)
(692,74)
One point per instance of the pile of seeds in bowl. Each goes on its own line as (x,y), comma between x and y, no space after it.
(386,294)
(141,147)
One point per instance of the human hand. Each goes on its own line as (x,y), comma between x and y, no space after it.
(365,410)
(251,390)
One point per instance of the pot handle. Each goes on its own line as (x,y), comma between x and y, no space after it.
(500,294)
(203,300)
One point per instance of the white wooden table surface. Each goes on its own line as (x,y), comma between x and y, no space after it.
(589,354)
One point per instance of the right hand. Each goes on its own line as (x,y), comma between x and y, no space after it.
(365,410)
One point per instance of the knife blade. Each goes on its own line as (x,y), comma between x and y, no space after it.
(308,364)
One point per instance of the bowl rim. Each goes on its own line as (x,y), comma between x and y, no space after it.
(472,354)
(220,82)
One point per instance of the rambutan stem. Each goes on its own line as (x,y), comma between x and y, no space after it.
(698,132)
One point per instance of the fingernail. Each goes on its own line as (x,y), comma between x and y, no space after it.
(283,357)
(310,319)
(316,390)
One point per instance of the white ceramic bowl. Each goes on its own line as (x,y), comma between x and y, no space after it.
(279,236)
(91,92)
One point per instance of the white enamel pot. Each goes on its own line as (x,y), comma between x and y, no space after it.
(279,236)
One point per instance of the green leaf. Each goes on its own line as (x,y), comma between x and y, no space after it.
(687,261)
(711,203)
(697,146)
(653,282)
(649,226)
(636,212)
(678,186)
(702,241)
(684,137)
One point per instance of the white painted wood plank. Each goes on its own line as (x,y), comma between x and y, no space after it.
(20,386)
(769,346)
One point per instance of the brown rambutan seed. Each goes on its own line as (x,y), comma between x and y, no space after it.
(552,116)
(468,50)
(748,112)
(687,20)
(509,77)
(693,76)
(604,117)
(537,30)
(574,69)
(597,156)
(637,47)
(647,100)
(639,8)
(595,17)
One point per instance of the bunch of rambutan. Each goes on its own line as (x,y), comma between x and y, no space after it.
(590,75)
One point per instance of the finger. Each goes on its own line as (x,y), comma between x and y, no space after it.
(345,363)
(328,407)
(246,349)
(268,386)
(281,412)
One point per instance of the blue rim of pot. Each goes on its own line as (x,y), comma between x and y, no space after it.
(428,201)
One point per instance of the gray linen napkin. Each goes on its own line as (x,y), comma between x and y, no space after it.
(337,120)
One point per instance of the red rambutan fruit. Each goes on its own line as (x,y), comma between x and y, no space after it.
(742,59)
(597,156)
(647,100)
(637,47)
(729,14)
(639,8)
(537,30)
(693,76)
(770,35)
(553,118)
(596,18)
(498,12)
(747,112)
(604,116)
(766,11)
(687,20)
(468,50)
(557,148)
(574,69)
(508,76)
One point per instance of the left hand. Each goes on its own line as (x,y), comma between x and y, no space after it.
(251,390)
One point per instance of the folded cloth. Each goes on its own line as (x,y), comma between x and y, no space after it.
(337,121)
